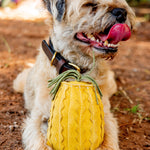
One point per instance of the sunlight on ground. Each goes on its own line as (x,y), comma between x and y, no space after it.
(33,10)
(27,10)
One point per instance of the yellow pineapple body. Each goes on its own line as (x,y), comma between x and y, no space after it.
(76,121)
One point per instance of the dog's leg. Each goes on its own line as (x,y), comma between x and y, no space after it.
(110,131)
(111,127)
(19,82)
(33,136)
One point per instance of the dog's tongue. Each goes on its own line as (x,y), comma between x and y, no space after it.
(118,32)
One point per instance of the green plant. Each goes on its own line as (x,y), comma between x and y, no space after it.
(135,109)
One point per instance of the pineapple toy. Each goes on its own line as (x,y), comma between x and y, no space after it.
(77,118)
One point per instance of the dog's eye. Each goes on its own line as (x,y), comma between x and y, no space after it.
(93,5)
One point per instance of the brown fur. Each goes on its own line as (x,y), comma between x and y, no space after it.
(76,18)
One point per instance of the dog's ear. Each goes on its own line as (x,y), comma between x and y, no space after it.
(60,5)
(56,8)
(48,4)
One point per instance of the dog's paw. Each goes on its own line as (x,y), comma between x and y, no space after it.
(106,148)
(46,147)
(49,148)
(101,148)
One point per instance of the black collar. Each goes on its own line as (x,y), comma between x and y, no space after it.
(58,60)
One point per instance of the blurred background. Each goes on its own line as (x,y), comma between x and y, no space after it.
(23,26)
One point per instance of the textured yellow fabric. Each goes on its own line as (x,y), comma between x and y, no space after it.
(76,121)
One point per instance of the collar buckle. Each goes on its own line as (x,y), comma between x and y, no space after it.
(53,58)
(75,66)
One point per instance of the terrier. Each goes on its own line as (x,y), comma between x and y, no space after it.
(79,28)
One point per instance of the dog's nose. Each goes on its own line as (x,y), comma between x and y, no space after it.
(120,14)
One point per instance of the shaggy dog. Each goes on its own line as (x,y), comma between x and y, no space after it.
(79,27)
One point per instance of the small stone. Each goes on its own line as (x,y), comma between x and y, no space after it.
(16,125)
(22,112)
(135,70)
(11,128)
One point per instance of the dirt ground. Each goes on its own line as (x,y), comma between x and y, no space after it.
(130,105)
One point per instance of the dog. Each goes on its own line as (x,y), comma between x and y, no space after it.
(79,28)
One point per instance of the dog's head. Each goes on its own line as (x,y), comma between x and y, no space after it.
(83,26)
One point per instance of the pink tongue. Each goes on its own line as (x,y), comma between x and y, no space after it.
(118,32)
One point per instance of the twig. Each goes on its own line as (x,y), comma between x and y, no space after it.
(126,95)
(3,142)
(6,44)
(125,124)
